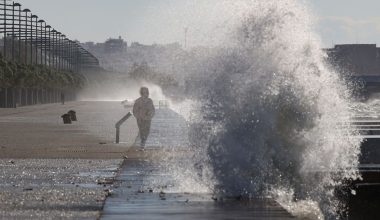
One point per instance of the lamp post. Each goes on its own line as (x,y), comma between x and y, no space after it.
(59,49)
(5,28)
(13,28)
(47,42)
(75,56)
(31,38)
(72,55)
(19,29)
(41,39)
(36,38)
(13,47)
(54,46)
(26,11)
(67,53)
(63,51)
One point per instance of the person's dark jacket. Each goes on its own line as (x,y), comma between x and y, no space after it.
(143,109)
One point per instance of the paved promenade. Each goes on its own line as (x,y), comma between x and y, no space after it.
(54,171)
(39,132)
(147,189)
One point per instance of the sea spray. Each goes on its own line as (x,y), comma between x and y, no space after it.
(271,115)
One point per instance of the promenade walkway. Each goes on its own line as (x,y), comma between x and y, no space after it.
(39,132)
(146,190)
(50,170)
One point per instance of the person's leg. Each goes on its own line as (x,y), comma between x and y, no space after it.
(140,126)
(145,129)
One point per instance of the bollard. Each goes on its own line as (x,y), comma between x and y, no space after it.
(66,119)
(119,123)
(73,115)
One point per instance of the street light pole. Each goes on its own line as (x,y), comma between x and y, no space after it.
(19,31)
(5,29)
(36,39)
(13,28)
(63,51)
(26,34)
(55,49)
(59,50)
(66,54)
(47,42)
(40,40)
(31,37)
(71,55)
(13,31)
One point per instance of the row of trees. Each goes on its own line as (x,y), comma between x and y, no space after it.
(20,75)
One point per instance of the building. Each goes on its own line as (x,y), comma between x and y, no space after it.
(357,59)
(115,45)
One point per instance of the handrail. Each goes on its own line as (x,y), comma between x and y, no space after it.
(119,123)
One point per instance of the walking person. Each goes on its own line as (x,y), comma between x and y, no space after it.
(143,110)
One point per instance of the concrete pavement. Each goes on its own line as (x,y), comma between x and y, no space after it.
(148,185)
(38,131)
(51,170)
(54,171)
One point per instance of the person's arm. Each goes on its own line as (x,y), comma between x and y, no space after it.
(135,109)
(152,109)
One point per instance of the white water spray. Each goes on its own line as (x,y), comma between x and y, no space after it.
(272,110)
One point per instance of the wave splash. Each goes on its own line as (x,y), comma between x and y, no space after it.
(271,115)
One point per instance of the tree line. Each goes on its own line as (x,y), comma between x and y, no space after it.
(19,75)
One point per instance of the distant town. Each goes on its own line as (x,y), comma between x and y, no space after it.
(356,59)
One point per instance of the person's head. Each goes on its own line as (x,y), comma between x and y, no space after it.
(144,92)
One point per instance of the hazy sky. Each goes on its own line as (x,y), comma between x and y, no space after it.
(340,21)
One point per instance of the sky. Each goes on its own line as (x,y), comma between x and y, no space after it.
(148,21)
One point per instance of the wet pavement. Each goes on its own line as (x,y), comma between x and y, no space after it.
(144,193)
(146,190)
(50,188)
(38,185)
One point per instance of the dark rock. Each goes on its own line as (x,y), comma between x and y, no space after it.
(105,181)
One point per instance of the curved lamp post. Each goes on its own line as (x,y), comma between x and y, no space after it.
(63,51)
(31,38)
(19,31)
(47,42)
(26,11)
(54,47)
(13,28)
(59,34)
(40,40)
(67,53)
(5,28)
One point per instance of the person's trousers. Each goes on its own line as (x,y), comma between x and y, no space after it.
(144,129)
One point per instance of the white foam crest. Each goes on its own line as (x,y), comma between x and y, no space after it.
(272,110)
